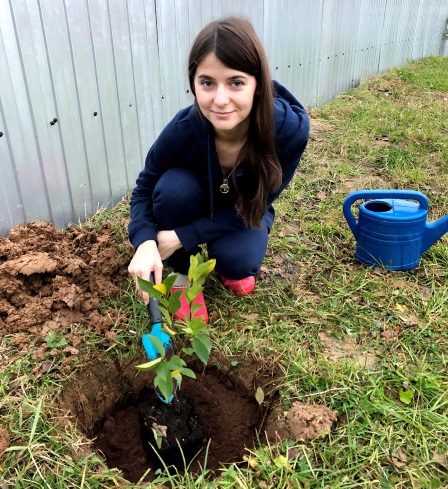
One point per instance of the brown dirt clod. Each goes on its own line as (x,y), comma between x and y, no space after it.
(301,422)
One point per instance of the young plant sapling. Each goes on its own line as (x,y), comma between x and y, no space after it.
(170,369)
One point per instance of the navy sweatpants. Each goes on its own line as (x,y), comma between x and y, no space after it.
(179,199)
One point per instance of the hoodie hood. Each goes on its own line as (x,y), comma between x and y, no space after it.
(291,120)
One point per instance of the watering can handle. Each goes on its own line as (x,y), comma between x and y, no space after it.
(379,194)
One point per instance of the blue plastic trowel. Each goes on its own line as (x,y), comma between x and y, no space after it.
(156,333)
(156,339)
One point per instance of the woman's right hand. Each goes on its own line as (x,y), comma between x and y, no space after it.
(146,260)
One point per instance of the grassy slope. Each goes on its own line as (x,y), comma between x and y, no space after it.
(345,335)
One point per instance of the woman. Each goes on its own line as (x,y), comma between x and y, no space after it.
(215,170)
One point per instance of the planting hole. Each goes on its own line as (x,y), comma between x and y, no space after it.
(216,415)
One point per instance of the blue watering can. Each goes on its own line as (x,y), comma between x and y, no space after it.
(392,232)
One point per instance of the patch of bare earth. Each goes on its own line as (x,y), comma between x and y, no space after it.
(319,128)
(52,280)
(347,350)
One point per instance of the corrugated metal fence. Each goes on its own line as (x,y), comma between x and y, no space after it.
(87,85)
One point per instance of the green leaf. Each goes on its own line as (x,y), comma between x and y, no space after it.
(163,371)
(169,282)
(159,439)
(165,387)
(435,483)
(186,330)
(406,396)
(259,395)
(188,351)
(157,345)
(53,340)
(175,363)
(195,308)
(206,341)
(194,260)
(281,461)
(168,330)
(197,326)
(163,302)
(178,379)
(166,315)
(193,291)
(202,347)
(18,448)
(148,287)
(174,301)
(148,366)
(36,419)
(188,373)
(199,258)
(206,270)
(203,270)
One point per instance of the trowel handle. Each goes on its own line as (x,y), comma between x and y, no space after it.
(379,194)
(155,316)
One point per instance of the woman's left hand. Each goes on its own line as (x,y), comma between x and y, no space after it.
(168,243)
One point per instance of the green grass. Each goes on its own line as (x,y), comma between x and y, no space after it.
(390,132)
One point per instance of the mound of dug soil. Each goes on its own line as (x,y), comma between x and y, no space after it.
(51,279)
(301,423)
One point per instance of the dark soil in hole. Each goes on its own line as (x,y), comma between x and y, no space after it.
(225,416)
(163,427)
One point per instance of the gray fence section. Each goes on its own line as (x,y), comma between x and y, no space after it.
(87,85)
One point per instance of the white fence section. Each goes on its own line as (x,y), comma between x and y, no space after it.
(87,85)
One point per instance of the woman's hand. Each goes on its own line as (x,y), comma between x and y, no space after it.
(168,243)
(147,259)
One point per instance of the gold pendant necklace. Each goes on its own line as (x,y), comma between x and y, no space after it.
(225,187)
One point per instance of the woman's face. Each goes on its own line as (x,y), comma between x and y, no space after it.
(225,96)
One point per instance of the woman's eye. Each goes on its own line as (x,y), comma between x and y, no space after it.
(237,83)
(207,83)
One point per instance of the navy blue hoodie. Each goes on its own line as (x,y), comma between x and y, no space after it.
(187,141)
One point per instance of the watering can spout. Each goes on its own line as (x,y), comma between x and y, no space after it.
(433,232)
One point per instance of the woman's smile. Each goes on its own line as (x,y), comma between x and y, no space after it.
(221,114)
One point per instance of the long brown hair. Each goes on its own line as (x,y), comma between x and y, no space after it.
(235,43)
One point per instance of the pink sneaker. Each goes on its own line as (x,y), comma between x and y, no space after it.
(240,287)
(184,310)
